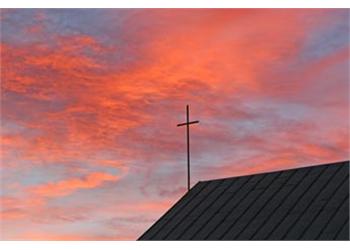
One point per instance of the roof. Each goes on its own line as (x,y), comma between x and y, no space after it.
(310,203)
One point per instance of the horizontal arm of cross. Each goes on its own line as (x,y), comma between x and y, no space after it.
(187,123)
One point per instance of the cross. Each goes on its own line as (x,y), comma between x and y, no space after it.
(188,123)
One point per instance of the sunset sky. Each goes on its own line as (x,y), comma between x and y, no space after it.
(90,99)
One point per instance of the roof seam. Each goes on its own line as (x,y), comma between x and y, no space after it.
(172,209)
(223,219)
(229,198)
(197,218)
(280,203)
(185,216)
(342,227)
(332,217)
(292,207)
(310,203)
(265,204)
(249,205)
(323,207)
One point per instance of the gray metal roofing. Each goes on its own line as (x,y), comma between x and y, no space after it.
(310,203)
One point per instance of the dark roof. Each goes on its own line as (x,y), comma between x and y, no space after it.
(310,203)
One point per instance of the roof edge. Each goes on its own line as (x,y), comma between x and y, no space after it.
(274,171)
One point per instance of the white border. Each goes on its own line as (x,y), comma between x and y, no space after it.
(169,245)
(176,245)
(176,4)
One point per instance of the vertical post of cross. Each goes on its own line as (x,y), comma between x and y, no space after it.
(188,148)
(188,123)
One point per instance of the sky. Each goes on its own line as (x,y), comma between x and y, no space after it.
(90,99)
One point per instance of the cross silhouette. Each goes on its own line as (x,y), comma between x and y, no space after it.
(188,123)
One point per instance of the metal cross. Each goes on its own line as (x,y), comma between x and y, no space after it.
(188,123)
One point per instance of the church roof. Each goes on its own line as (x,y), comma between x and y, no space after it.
(309,203)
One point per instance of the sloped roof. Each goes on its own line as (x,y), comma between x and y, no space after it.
(310,203)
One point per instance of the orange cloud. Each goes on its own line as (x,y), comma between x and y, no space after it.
(66,187)
(69,237)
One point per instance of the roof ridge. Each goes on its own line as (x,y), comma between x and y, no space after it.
(276,171)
